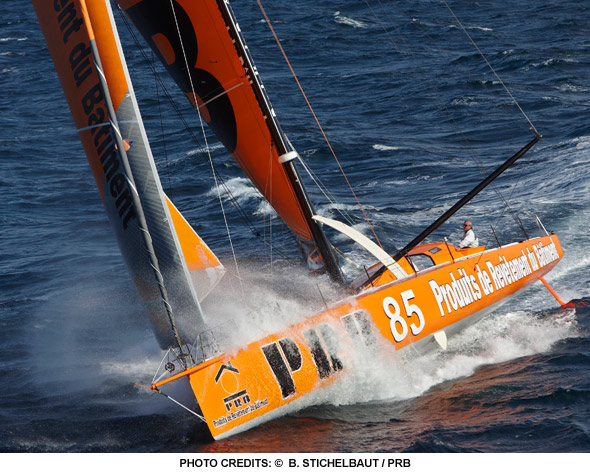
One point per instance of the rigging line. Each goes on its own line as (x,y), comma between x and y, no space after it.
(427,84)
(438,102)
(269,183)
(179,114)
(180,404)
(221,94)
(506,202)
(426,46)
(324,190)
(420,74)
(509,208)
(316,118)
(346,257)
(491,68)
(159,367)
(442,106)
(79,130)
(188,69)
(162,131)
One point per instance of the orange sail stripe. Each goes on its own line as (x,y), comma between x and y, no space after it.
(204,268)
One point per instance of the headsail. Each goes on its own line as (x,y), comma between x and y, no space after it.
(204,267)
(204,39)
(84,45)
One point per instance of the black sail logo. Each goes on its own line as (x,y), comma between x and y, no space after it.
(160,26)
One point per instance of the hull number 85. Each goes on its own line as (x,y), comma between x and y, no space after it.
(399,323)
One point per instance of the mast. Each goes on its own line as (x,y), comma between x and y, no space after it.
(287,156)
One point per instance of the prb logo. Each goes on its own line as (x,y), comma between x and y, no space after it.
(227,375)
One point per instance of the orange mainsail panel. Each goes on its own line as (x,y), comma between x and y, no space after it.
(225,88)
(237,391)
(83,42)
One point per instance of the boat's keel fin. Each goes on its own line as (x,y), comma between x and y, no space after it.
(441,338)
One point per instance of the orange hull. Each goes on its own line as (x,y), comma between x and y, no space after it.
(238,391)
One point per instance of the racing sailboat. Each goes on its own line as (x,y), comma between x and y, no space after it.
(391,305)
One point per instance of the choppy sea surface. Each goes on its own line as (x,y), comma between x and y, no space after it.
(415,117)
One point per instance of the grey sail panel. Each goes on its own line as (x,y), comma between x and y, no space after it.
(182,298)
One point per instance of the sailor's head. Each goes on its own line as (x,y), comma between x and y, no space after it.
(467,225)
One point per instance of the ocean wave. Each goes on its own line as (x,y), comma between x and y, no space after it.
(582,142)
(398,376)
(553,61)
(264,209)
(359,227)
(344,20)
(239,187)
(469,101)
(578,142)
(480,28)
(309,152)
(379,147)
(336,206)
(573,88)
(212,147)
(485,82)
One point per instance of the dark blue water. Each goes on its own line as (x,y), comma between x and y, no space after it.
(415,116)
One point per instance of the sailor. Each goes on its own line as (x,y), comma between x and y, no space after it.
(469,239)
